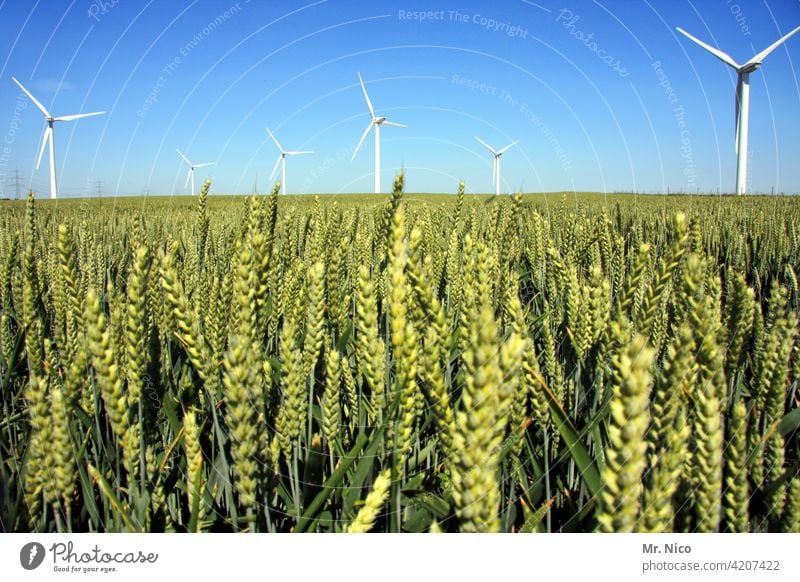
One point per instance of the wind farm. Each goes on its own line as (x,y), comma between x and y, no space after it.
(741,126)
(602,335)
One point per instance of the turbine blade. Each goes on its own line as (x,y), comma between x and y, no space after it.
(393,124)
(716,52)
(369,103)
(78,116)
(188,176)
(363,137)
(763,54)
(294,153)
(185,159)
(45,136)
(203,165)
(486,145)
(35,102)
(507,147)
(494,171)
(275,169)
(280,149)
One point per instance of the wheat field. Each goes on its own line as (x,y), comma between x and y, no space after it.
(404,363)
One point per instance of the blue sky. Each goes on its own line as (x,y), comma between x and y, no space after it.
(603,96)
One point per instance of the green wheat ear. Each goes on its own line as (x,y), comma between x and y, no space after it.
(242,385)
(366,516)
(481,424)
(194,466)
(370,347)
(669,432)
(736,493)
(103,351)
(791,511)
(619,505)
(35,478)
(315,316)
(331,398)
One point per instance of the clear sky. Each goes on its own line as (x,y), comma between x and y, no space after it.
(602,95)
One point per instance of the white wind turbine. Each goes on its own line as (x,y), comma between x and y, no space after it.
(496,162)
(282,161)
(375,122)
(742,99)
(48,135)
(192,167)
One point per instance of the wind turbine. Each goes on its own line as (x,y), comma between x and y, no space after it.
(375,122)
(282,161)
(48,134)
(742,99)
(496,164)
(192,168)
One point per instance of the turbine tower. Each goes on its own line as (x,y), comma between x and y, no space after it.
(375,122)
(496,162)
(48,135)
(742,99)
(192,167)
(282,161)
